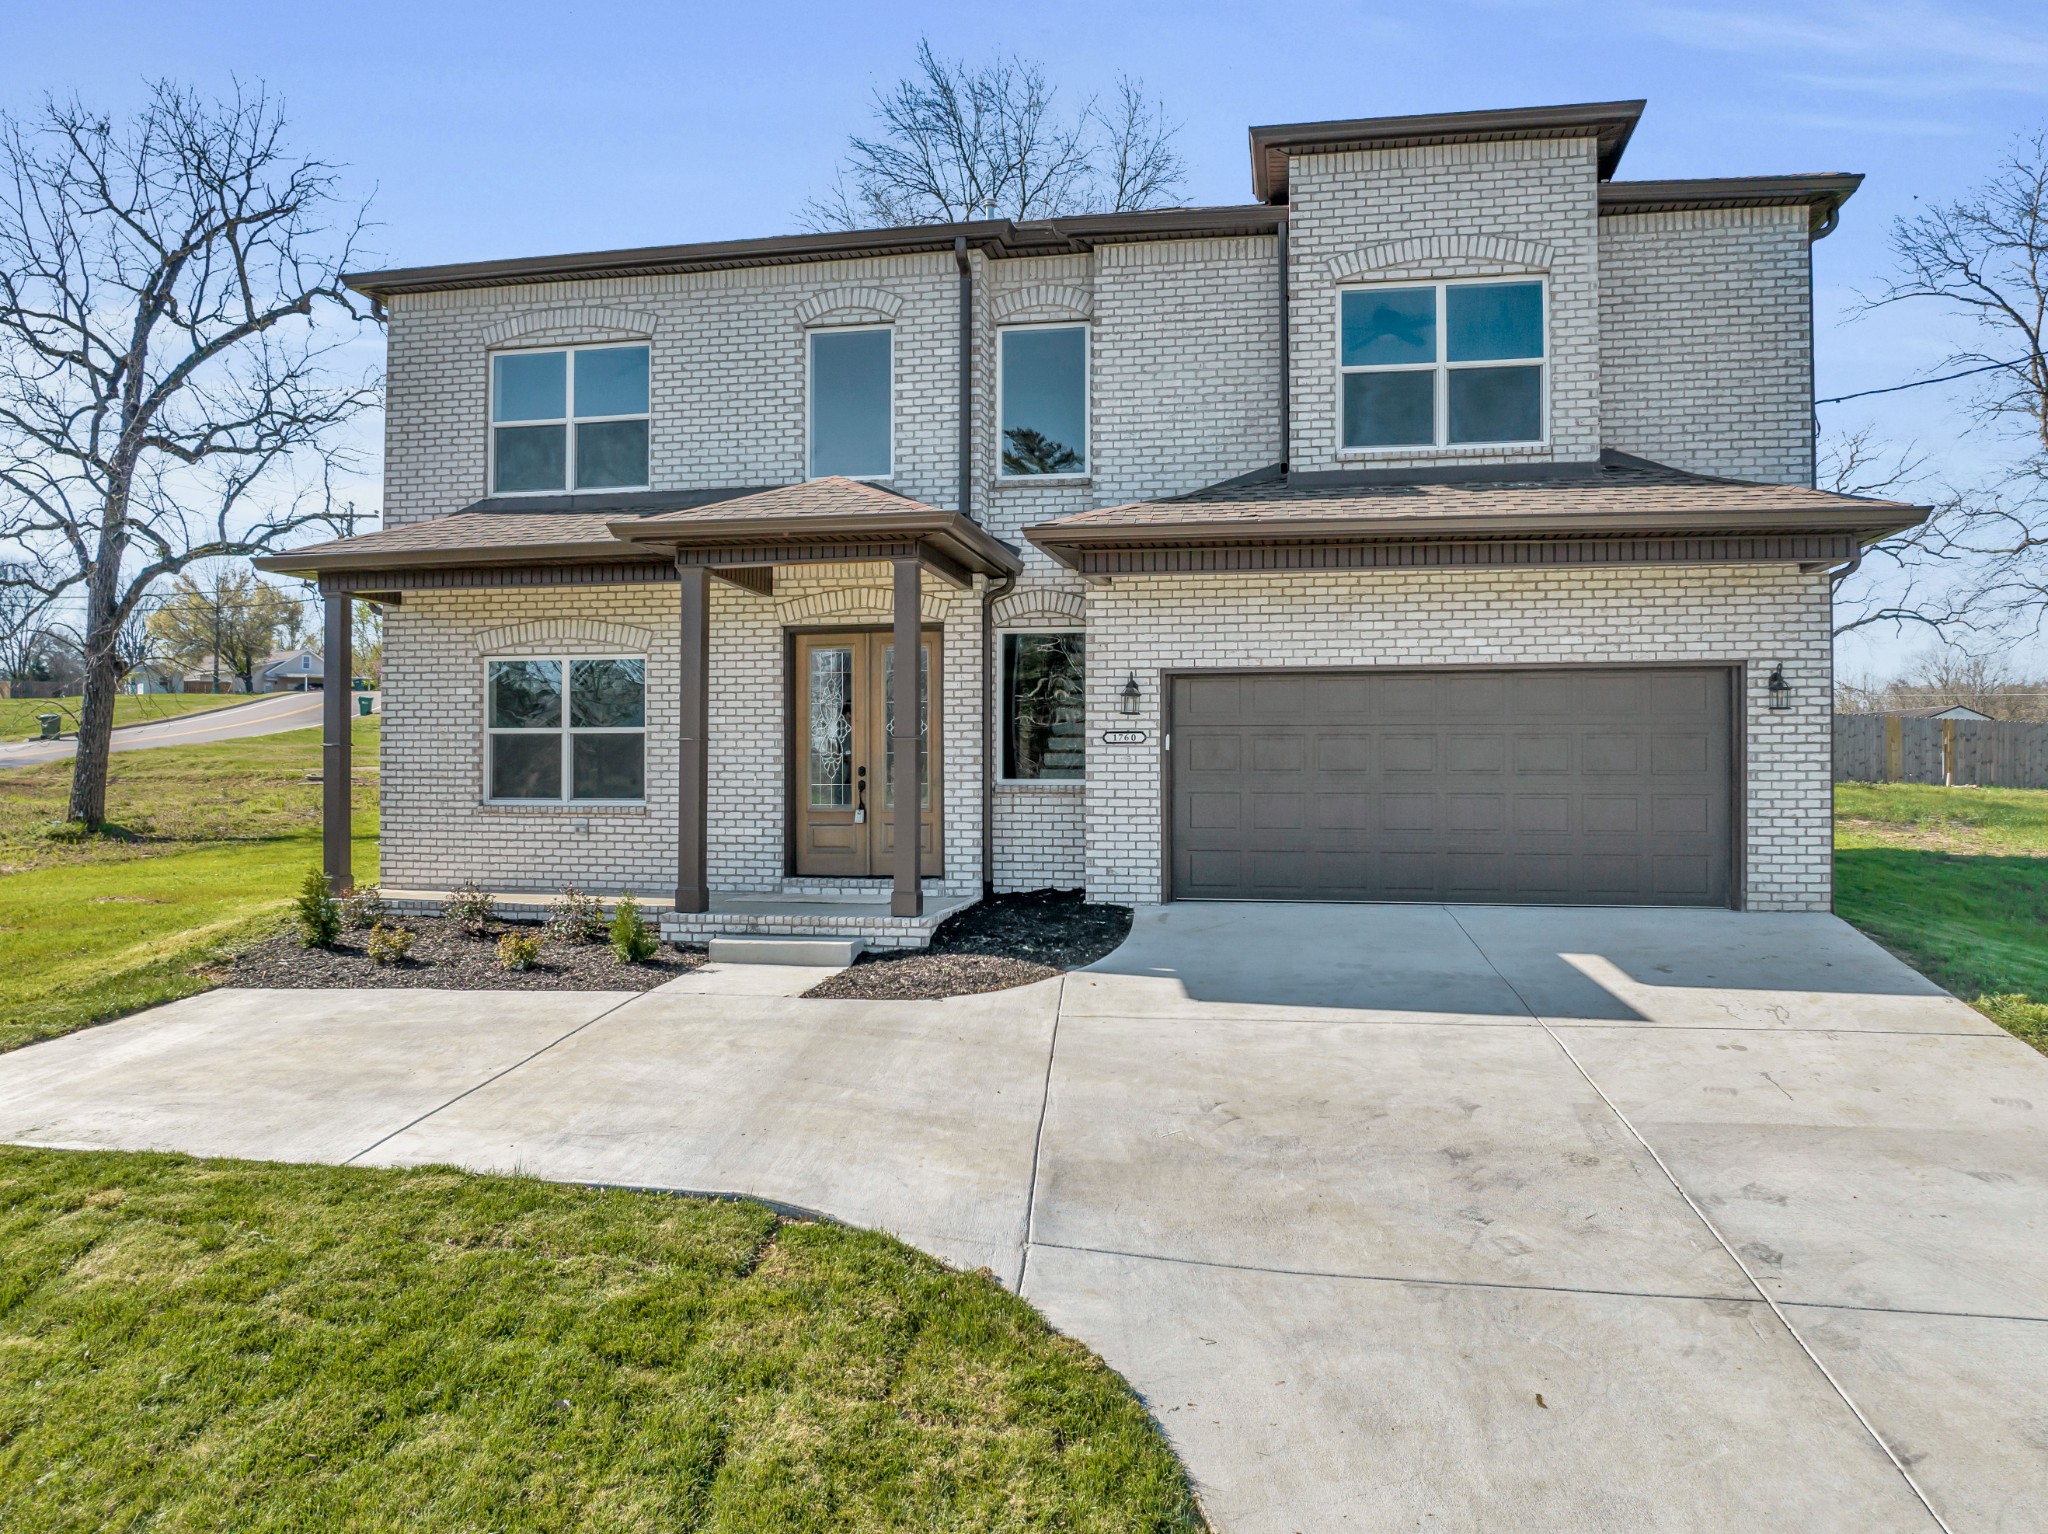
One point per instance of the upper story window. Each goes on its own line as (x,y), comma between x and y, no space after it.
(1445,364)
(1044,400)
(570,419)
(853,408)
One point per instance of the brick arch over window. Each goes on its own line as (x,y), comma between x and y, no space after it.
(565,635)
(1496,251)
(1044,301)
(874,606)
(582,322)
(849,306)
(1040,604)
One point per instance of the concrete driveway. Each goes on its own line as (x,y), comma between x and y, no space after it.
(1400,1217)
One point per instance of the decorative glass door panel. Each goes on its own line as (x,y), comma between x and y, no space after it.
(845,803)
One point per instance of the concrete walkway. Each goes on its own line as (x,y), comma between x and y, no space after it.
(235,721)
(1399,1217)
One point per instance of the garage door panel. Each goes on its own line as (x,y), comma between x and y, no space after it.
(1576,785)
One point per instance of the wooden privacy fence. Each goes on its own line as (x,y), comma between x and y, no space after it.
(1884,748)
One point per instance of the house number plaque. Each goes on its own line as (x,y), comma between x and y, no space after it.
(1123,737)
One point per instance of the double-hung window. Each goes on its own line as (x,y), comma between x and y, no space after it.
(584,741)
(1044,400)
(1044,715)
(569,419)
(1445,364)
(853,408)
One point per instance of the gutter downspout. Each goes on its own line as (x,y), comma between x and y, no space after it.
(991,593)
(1286,362)
(960,258)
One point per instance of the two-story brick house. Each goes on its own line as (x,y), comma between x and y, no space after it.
(1438,526)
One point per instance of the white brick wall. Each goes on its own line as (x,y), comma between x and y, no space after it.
(1459,210)
(1705,348)
(437,829)
(1762,615)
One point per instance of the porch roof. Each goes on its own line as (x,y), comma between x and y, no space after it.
(1637,510)
(819,520)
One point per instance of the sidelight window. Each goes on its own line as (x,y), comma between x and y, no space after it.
(1043,707)
(586,742)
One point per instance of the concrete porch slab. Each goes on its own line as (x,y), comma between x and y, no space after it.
(826,916)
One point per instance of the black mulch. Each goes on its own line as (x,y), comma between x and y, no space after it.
(1004,941)
(447,957)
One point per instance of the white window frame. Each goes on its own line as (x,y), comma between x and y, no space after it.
(1087,468)
(1003,702)
(569,422)
(1442,369)
(811,397)
(566,731)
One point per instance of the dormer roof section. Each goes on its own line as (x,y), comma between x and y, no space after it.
(1609,123)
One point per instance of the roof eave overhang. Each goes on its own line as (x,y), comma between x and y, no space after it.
(996,238)
(1070,545)
(336,559)
(747,539)
(1821,195)
(1608,122)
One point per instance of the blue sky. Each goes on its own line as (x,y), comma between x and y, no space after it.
(515,128)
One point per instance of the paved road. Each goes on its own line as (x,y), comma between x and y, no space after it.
(1398,1217)
(268,716)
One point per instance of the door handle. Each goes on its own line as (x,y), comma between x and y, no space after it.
(860,797)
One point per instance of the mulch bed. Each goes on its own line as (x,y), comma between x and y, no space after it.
(446,957)
(1005,941)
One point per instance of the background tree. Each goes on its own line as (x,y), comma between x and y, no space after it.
(1984,257)
(954,144)
(229,613)
(166,394)
(366,639)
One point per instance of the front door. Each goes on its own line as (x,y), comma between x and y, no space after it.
(845,788)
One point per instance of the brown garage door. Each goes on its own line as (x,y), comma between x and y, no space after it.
(1573,786)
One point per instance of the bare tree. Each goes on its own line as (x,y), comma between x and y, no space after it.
(1985,258)
(166,393)
(22,640)
(956,143)
(1901,579)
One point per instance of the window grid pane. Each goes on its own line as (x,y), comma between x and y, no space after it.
(603,735)
(564,388)
(1408,365)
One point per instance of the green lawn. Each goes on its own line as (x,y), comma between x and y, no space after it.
(191,1345)
(1954,881)
(18,715)
(207,844)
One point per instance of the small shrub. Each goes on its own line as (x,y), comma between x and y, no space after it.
(518,950)
(633,941)
(315,911)
(363,907)
(388,944)
(469,907)
(577,917)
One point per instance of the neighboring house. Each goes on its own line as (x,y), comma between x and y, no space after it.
(1439,526)
(153,677)
(288,671)
(207,677)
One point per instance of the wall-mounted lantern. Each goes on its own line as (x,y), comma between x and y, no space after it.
(1780,691)
(1127,700)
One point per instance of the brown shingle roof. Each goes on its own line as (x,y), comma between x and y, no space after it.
(832,496)
(1618,495)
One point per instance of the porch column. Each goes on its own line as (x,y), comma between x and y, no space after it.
(336,667)
(693,741)
(907,897)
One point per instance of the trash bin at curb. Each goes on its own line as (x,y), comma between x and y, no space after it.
(363,705)
(51,725)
